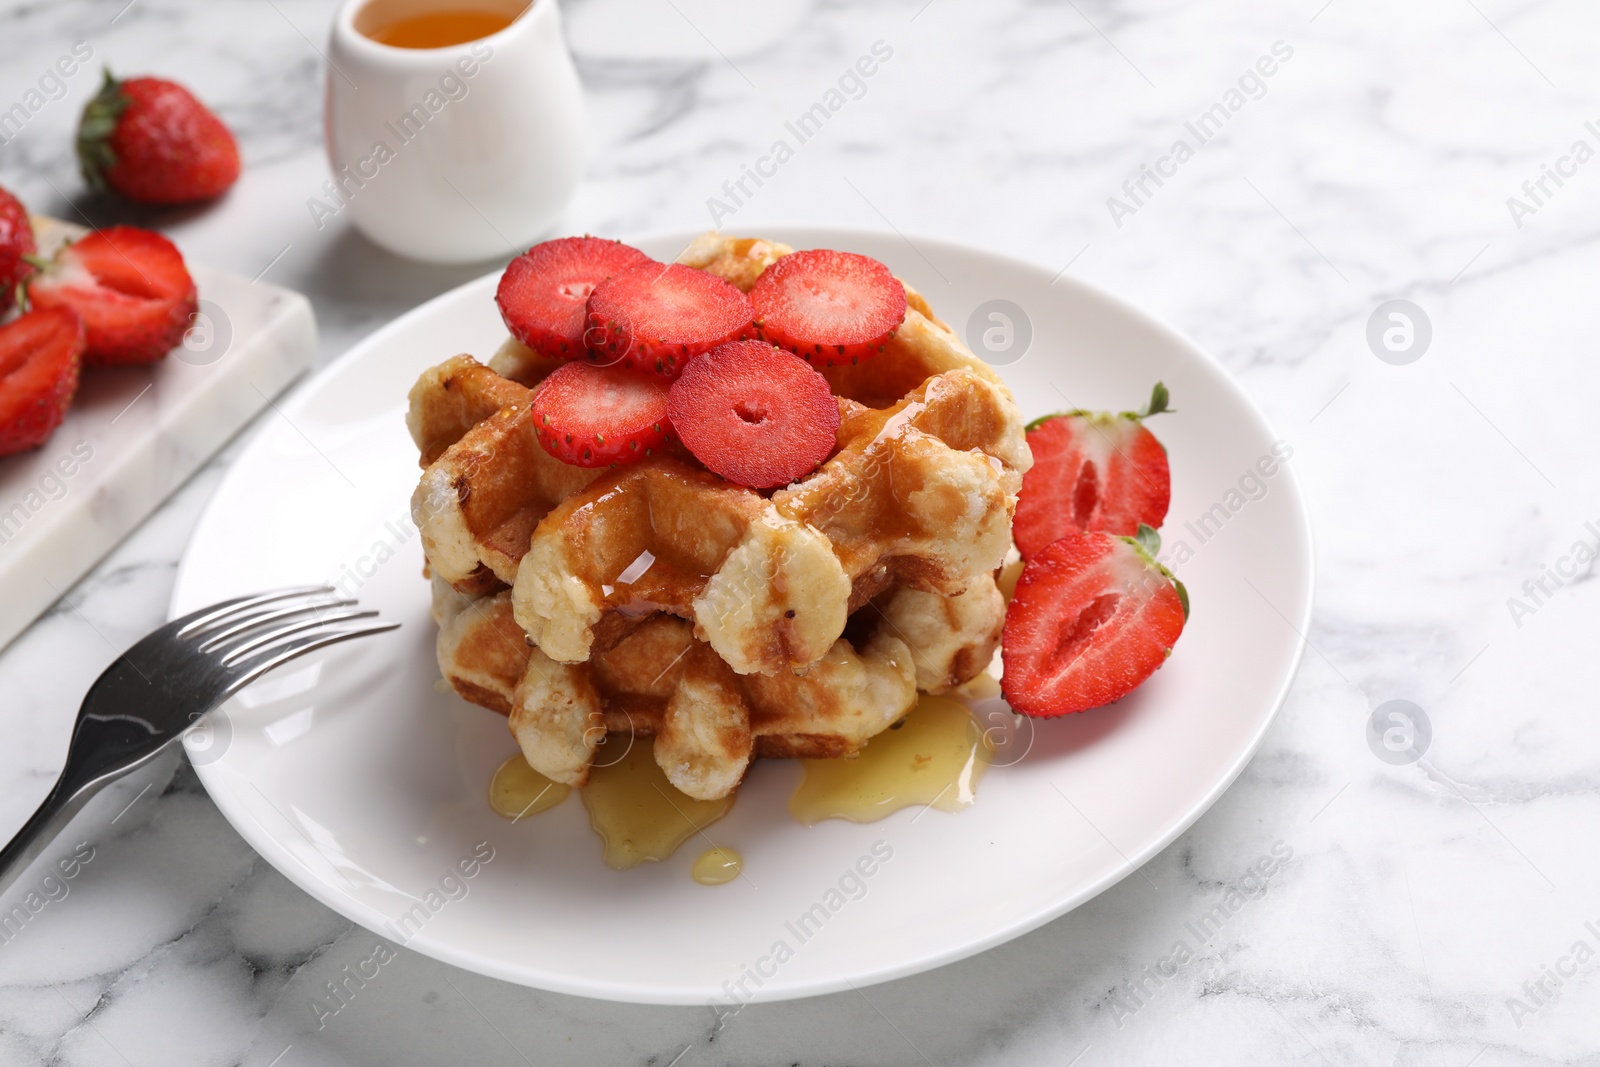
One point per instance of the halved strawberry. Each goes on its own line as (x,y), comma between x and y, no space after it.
(16,245)
(657,318)
(600,416)
(130,288)
(39,358)
(544,293)
(1093,616)
(828,307)
(1093,471)
(753,414)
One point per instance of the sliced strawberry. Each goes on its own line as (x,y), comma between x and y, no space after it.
(1093,471)
(129,286)
(16,244)
(657,318)
(1093,616)
(600,416)
(828,307)
(755,415)
(39,358)
(544,293)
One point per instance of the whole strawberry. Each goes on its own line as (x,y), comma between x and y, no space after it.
(16,243)
(153,142)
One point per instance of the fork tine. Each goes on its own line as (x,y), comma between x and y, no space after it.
(217,638)
(207,617)
(309,643)
(273,637)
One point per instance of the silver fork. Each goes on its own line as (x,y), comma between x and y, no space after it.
(161,687)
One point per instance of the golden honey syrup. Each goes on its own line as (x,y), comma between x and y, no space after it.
(517,790)
(932,758)
(717,866)
(641,816)
(440,29)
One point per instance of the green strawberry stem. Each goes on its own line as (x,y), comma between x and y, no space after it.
(1148,539)
(1148,544)
(1157,405)
(99,122)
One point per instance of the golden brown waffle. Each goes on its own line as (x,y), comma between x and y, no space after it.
(487,481)
(661,601)
(920,493)
(708,722)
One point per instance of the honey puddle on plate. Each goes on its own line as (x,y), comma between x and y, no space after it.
(517,790)
(717,866)
(641,816)
(933,758)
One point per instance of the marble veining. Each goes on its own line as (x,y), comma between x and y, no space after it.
(1427,913)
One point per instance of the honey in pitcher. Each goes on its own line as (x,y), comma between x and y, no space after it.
(440,28)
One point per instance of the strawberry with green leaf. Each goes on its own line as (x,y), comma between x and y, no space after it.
(130,287)
(1093,616)
(1093,471)
(152,141)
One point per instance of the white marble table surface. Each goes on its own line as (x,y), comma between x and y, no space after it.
(1432,912)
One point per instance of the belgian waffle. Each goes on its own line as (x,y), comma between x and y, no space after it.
(708,722)
(724,623)
(920,493)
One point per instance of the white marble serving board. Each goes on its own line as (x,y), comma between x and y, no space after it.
(134,434)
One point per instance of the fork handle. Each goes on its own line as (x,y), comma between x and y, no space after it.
(52,817)
(75,788)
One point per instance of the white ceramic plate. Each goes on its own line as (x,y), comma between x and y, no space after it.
(362,782)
